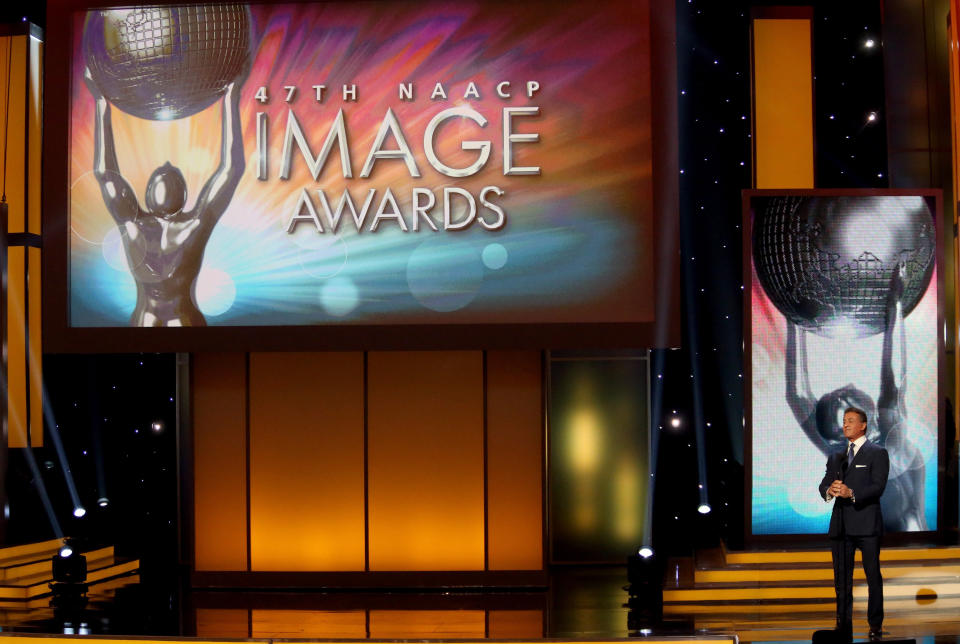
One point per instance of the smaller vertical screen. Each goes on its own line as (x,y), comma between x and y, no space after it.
(844,314)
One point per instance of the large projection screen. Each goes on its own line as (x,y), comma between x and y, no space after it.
(376,174)
(843,310)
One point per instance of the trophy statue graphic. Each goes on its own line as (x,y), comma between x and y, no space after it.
(848,268)
(162,63)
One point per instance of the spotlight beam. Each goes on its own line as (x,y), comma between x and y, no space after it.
(693,350)
(61,453)
(655,359)
(96,440)
(51,423)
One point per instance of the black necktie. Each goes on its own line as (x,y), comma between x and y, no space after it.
(850,454)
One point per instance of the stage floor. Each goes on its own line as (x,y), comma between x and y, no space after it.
(582,602)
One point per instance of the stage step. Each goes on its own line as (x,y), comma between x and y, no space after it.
(804,572)
(14,558)
(27,570)
(30,587)
(807,607)
(922,592)
(923,576)
(823,556)
(44,566)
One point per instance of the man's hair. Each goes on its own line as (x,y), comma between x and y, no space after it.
(859,412)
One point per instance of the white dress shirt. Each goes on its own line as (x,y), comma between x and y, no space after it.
(857,444)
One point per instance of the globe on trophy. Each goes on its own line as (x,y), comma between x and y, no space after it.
(163,63)
(827,263)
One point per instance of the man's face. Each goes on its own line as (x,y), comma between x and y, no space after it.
(853,427)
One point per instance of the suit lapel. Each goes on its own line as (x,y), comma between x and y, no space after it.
(857,455)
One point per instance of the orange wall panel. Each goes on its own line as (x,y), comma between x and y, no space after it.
(306,461)
(35,123)
(223,622)
(21,167)
(515,624)
(16,188)
(515,438)
(309,623)
(425,451)
(220,461)
(34,297)
(16,348)
(421,624)
(783,103)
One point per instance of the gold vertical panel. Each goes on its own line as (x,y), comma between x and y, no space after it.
(220,461)
(306,461)
(515,458)
(35,348)
(35,139)
(425,451)
(16,348)
(223,622)
(783,103)
(433,624)
(17,131)
(325,624)
(515,624)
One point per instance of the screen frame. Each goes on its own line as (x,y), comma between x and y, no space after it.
(892,538)
(61,337)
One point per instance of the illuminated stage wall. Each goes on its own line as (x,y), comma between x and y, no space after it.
(843,312)
(383,162)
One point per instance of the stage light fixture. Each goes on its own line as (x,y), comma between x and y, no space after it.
(869,43)
(79,511)
(70,568)
(872,117)
(675,422)
(704,508)
(157,426)
(646,552)
(103,501)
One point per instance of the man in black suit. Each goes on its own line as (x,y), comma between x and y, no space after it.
(856,479)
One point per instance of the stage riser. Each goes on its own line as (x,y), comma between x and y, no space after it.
(44,566)
(30,550)
(41,587)
(945,624)
(948,572)
(825,607)
(823,556)
(891,591)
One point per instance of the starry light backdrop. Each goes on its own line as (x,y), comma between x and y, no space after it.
(713,55)
(577,243)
